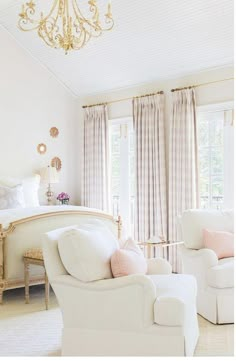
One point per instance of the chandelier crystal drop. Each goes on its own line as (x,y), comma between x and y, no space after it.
(66,26)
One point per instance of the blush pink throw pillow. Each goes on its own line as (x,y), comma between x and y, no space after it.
(222,243)
(128,260)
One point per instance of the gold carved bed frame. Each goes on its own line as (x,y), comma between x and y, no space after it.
(4,232)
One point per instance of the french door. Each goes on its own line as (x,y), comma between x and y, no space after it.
(122,172)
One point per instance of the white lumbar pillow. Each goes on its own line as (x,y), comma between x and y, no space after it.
(86,253)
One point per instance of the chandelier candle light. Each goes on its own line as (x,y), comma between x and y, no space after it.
(65,26)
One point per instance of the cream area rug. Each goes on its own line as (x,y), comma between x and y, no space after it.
(30,330)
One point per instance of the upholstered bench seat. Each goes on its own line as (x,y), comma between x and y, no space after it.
(175,294)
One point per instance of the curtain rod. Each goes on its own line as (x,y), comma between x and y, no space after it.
(123,99)
(160,92)
(201,84)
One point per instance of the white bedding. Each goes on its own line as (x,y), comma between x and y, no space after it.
(10,215)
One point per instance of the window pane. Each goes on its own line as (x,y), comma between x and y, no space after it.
(217,192)
(216,129)
(217,161)
(203,134)
(204,159)
(211,159)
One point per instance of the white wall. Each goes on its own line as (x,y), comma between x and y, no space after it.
(213,93)
(31,102)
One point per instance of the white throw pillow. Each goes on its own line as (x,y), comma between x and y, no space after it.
(193,221)
(11,197)
(30,188)
(86,253)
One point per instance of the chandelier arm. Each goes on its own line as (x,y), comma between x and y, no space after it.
(25,18)
(79,14)
(56,2)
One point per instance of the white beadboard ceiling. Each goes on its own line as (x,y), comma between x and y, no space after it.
(151,40)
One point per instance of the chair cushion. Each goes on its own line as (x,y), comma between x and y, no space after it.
(86,253)
(175,293)
(128,260)
(222,275)
(222,243)
(193,221)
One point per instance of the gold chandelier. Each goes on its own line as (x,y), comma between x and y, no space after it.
(65,26)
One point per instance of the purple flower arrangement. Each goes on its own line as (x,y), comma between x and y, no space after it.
(63,198)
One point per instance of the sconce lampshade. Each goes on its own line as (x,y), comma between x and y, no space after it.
(49,175)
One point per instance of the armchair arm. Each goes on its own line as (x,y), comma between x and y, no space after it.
(197,262)
(124,303)
(158,266)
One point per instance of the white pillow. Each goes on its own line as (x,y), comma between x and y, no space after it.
(11,197)
(86,253)
(30,188)
(193,221)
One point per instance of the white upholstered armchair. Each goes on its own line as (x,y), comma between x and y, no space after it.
(136,315)
(215,278)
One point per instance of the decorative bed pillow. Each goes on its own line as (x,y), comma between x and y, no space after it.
(30,188)
(86,253)
(222,243)
(128,260)
(11,197)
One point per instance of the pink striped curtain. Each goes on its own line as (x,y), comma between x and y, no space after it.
(95,179)
(151,207)
(183,164)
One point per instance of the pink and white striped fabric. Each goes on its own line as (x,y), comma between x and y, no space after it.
(95,179)
(151,207)
(183,164)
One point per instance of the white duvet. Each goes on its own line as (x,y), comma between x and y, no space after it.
(10,215)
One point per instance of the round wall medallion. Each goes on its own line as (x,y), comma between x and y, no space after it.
(56,162)
(54,132)
(42,148)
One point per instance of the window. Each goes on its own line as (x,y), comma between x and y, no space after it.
(215,138)
(122,171)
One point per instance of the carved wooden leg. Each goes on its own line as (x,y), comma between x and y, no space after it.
(26,281)
(47,291)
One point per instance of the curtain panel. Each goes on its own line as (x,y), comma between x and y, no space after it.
(150,167)
(95,178)
(183,164)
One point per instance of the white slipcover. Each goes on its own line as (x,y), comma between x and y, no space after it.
(136,315)
(215,278)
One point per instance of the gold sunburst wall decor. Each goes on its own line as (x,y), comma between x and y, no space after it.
(54,132)
(41,148)
(56,162)
(66,26)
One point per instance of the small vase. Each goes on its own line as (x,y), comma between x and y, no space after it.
(64,201)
